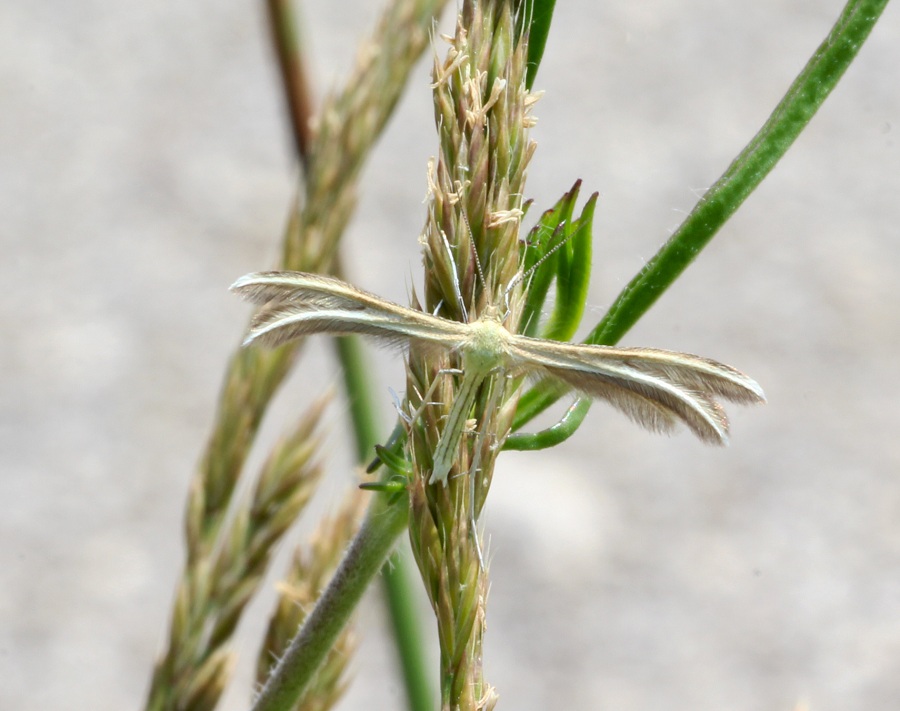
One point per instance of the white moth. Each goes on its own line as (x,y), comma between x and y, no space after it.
(655,388)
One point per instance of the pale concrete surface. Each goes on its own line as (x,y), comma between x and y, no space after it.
(144,164)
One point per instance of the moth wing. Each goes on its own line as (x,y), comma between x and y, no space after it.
(654,388)
(293,287)
(689,371)
(300,304)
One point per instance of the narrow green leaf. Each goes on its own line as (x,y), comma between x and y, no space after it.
(538,30)
(540,259)
(394,459)
(392,448)
(573,276)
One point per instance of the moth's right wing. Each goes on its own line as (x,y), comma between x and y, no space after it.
(655,388)
(298,304)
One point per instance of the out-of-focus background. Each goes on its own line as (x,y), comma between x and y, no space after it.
(145,163)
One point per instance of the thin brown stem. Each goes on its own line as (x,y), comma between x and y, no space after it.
(288,44)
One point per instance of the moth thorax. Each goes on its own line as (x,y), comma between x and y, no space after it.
(485,347)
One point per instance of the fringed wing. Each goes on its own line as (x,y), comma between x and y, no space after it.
(299,304)
(655,388)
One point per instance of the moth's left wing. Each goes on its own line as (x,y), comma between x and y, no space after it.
(290,287)
(298,304)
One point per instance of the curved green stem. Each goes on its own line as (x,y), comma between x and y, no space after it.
(554,435)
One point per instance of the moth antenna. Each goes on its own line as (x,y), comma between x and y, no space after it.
(522,276)
(478,268)
(456,288)
(555,247)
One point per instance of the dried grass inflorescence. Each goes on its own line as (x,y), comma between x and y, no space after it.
(217,585)
(194,668)
(346,128)
(471,255)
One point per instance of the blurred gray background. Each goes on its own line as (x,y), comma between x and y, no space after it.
(145,163)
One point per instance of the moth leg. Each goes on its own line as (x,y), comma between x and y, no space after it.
(448,445)
(426,401)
